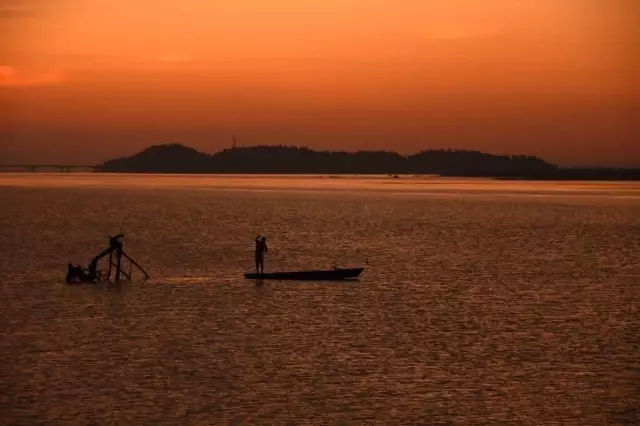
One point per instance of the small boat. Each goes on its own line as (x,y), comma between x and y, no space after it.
(328,275)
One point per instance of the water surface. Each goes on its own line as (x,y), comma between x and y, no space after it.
(482,302)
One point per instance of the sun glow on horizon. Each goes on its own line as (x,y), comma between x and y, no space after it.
(550,78)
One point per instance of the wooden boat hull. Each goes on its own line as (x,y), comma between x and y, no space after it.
(328,275)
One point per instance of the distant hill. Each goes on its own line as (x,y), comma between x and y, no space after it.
(176,158)
(171,158)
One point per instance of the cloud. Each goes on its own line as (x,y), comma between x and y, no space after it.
(18,9)
(6,72)
(11,77)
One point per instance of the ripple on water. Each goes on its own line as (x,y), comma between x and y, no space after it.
(471,310)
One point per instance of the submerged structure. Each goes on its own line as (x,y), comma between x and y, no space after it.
(116,269)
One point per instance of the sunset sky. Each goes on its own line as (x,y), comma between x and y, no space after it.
(82,81)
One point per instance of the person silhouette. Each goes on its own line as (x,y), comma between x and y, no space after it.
(261,249)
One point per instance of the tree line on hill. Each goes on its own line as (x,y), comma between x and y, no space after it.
(176,158)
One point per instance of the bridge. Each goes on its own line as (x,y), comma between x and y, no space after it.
(33,168)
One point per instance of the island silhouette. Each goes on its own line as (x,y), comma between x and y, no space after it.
(263,159)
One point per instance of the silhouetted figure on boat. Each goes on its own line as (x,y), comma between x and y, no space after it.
(261,249)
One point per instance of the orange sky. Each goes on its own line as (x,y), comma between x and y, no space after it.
(85,80)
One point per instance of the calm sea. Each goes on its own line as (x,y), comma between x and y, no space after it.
(481,303)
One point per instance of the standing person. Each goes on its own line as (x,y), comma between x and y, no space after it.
(261,249)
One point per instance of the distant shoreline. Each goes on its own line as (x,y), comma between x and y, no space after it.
(262,159)
(629,175)
(586,175)
(288,160)
(176,159)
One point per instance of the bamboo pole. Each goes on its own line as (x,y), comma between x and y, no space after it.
(118,263)
(136,265)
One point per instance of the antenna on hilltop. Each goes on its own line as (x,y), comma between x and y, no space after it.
(234,141)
